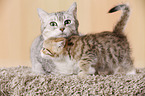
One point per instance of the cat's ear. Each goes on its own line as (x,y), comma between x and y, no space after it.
(61,42)
(73,9)
(42,14)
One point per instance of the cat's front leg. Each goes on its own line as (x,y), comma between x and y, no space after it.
(85,68)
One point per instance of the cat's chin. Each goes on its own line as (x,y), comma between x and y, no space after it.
(44,56)
(62,35)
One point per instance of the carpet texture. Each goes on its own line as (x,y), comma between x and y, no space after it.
(21,81)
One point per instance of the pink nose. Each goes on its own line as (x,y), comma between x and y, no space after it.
(62,29)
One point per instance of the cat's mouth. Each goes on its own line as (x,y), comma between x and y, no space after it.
(62,35)
(47,52)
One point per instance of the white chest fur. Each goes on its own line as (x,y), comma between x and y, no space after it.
(66,66)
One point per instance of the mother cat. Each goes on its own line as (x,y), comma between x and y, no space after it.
(59,24)
(105,52)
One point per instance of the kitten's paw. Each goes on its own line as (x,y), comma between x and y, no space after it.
(82,75)
(133,72)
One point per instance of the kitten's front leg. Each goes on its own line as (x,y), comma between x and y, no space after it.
(85,68)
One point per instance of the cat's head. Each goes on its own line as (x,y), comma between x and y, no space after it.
(59,24)
(53,48)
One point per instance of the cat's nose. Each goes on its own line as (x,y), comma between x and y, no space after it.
(62,29)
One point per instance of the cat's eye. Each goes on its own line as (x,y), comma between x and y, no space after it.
(43,48)
(67,22)
(53,24)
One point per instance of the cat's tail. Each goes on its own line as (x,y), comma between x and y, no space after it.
(121,24)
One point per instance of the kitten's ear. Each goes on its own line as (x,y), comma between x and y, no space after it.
(61,42)
(42,14)
(73,9)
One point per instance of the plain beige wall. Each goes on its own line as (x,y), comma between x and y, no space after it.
(19,25)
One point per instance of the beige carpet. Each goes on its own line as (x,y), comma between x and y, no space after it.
(21,81)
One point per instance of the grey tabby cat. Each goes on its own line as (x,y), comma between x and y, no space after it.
(59,24)
(100,53)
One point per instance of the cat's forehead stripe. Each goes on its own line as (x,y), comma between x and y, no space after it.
(59,16)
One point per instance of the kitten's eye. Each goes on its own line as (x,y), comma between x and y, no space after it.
(43,48)
(67,22)
(53,24)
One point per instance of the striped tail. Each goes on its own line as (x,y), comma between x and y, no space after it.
(121,24)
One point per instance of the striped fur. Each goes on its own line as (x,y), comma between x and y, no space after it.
(45,66)
(106,52)
(59,18)
(100,53)
(120,26)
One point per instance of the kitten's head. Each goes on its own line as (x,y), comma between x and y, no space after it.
(59,24)
(53,47)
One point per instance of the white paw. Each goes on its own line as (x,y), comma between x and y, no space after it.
(82,75)
(133,72)
(92,70)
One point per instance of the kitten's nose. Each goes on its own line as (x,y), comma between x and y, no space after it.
(62,29)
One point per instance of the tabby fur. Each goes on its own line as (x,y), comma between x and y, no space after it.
(57,24)
(100,53)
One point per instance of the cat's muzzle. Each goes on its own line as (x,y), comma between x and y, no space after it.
(47,52)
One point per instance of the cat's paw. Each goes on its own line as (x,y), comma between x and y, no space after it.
(82,75)
(132,72)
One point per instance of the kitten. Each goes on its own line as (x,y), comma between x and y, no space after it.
(59,24)
(100,53)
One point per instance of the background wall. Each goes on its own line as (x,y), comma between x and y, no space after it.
(19,25)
